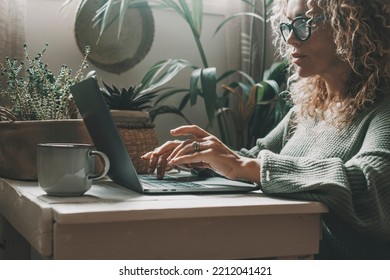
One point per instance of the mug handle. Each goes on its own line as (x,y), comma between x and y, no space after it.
(106,163)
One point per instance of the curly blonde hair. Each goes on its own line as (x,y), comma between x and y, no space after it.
(361,32)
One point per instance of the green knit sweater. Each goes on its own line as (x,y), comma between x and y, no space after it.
(346,168)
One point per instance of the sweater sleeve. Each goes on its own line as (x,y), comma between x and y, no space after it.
(356,191)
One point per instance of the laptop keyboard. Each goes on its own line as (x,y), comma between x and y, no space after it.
(169,182)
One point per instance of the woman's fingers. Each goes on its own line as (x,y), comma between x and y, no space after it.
(152,162)
(182,148)
(191,159)
(189,147)
(166,147)
(147,155)
(161,166)
(158,157)
(193,130)
(161,158)
(196,151)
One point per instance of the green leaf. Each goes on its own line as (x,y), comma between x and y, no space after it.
(223,125)
(235,16)
(195,85)
(264,89)
(277,72)
(109,6)
(122,13)
(194,18)
(81,5)
(184,102)
(241,73)
(272,87)
(209,89)
(197,12)
(174,6)
(165,109)
(168,92)
(108,14)
(186,11)
(269,2)
(162,72)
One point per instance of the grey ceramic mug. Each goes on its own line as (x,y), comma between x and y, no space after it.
(68,169)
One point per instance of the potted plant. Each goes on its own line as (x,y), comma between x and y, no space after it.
(128,108)
(37,109)
(245,109)
(257,96)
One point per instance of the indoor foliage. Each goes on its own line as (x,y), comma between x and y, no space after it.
(258,107)
(33,92)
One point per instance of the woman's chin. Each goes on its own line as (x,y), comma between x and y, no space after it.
(303,73)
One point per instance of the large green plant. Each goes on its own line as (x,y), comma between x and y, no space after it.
(256,96)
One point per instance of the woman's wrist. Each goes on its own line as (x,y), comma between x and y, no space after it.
(250,170)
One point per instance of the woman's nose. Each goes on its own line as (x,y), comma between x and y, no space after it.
(292,39)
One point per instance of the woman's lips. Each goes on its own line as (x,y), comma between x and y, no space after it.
(297,57)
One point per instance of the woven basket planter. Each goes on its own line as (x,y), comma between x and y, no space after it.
(137,134)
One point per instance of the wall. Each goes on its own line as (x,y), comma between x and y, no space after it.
(45,23)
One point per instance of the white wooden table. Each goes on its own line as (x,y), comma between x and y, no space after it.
(111,222)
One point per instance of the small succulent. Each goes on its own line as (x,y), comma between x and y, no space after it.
(127,98)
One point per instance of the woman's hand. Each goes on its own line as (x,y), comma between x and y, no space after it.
(208,151)
(158,157)
(203,150)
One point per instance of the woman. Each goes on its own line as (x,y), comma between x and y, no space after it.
(334,145)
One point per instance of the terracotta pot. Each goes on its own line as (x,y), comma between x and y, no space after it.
(19,139)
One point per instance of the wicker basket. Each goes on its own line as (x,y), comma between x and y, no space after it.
(138,139)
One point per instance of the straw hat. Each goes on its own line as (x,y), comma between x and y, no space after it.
(109,52)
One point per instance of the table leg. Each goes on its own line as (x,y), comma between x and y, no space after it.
(12,245)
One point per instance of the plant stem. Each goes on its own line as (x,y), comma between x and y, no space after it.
(200,48)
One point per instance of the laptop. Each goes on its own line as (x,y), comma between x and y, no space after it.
(105,136)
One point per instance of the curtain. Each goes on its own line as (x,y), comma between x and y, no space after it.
(12,32)
(12,28)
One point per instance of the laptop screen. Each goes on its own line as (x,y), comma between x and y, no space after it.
(103,132)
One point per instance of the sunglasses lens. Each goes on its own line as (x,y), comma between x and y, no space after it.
(285,29)
(300,26)
(301,29)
